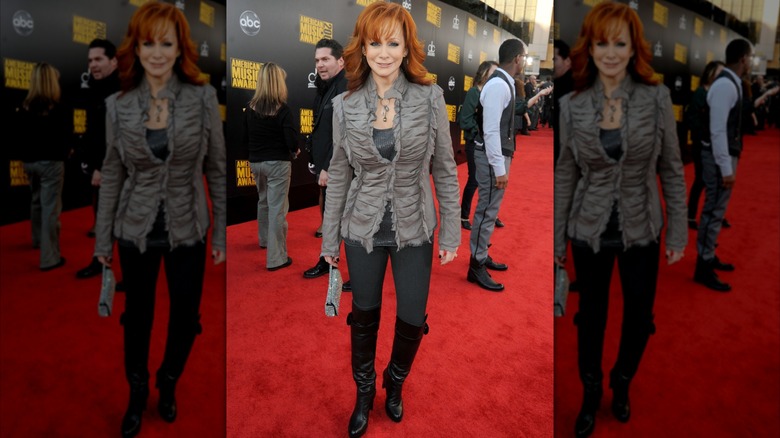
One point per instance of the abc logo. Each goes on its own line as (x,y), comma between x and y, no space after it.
(250,23)
(23,23)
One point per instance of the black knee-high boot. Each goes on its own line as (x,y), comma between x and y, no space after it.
(136,344)
(364,326)
(590,345)
(633,341)
(405,344)
(181,337)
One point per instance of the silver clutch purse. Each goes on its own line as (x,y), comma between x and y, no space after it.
(107,290)
(334,292)
(561,290)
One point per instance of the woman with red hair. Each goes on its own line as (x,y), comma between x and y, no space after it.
(163,129)
(618,133)
(391,128)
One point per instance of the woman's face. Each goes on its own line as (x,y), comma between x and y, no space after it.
(158,56)
(613,55)
(385,56)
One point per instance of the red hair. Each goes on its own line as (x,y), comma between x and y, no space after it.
(602,23)
(149,21)
(379,20)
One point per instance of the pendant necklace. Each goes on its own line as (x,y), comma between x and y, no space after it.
(158,106)
(385,107)
(612,109)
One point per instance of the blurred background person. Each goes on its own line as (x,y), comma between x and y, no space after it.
(47,127)
(270,136)
(607,202)
(163,131)
(469,121)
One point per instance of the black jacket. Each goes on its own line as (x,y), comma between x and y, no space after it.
(47,135)
(320,141)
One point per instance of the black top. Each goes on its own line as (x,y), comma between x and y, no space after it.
(384,140)
(612,142)
(47,134)
(270,138)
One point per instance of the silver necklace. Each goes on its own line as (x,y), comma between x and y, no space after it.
(612,108)
(385,107)
(158,106)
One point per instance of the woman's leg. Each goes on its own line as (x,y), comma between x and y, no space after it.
(140,279)
(52,178)
(698,185)
(367,273)
(261,182)
(471,183)
(184,269)
(412,277)
(593,272)
(638,276)
(33,175)
(278,173)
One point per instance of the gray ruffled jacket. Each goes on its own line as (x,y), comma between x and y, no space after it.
(134,181)
(588,182)
(354,207)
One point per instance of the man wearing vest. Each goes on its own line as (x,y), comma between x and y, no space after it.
(492,160)
(719,160)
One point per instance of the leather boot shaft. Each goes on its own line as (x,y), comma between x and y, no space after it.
(364,325)
(405,345)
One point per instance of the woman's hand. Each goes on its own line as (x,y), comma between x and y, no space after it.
(447,256)
(104,261)
(219,256)
(560,261)
(333,261)
(673,256)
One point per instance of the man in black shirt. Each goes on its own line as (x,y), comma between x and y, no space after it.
(331,82)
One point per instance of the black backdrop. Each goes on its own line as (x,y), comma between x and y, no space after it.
(58,32)
(683,42)
(286,32)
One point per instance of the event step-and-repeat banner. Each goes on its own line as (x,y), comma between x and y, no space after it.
(59,32)
(286,32)
(682,43)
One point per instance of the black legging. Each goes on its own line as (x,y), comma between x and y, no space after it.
(638,267)
(698,182)
(471,183)
(184,268)
(411,274)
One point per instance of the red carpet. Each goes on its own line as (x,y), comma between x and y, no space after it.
(485,368)
(61,364)
(712,367)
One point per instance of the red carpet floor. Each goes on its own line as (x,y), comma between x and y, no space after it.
(485,368)
(61,364)
(713,367)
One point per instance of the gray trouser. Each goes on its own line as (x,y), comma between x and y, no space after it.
(46,181)
(273,184)
(411,274)
(487,207)
(716,198)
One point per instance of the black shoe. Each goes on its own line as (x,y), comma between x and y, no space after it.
(318,234)
(692,224)
(139,392)
(94,268)
(499,224)
(490,264)
(525,132)
(479,274)
(464,223)
(364,325)
(283,265)
(591,399)
(346,286)
(405,344)
(621,407)
(320,269)
(91,232)
(725,223)
(167,403)
(54,266)
(720,266)
(705,274)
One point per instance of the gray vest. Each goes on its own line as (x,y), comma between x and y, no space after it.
(507,125)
